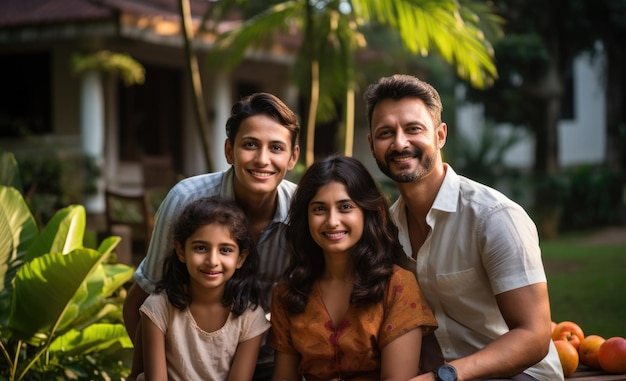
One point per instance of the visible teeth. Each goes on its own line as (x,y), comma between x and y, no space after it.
(334,235)
(261,174)
(402,159)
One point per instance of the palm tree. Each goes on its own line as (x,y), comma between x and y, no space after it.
(333,31)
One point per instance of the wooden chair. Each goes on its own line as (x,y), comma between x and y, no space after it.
(130,216)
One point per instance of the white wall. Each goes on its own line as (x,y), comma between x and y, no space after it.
(583,140)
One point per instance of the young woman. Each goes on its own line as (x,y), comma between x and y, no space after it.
(203,322)
(345,311)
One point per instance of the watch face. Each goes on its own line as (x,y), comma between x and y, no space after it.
(446,373)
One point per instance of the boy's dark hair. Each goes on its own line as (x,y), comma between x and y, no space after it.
(262,104)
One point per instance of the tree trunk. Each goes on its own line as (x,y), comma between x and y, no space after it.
(315,87)
(547,92)
(349,120)
(313,102)
(194,76)
(615,108)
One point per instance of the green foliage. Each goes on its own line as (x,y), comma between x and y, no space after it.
(522,59)
(130,70)
(579,198)
(551,189)
(594,197)
(458,31)
(482,159)
(9,173)
(60,303)
(53,180)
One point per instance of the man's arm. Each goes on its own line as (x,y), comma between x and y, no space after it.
(526,311)
(134,299)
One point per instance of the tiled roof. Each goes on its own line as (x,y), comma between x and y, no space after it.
(156,21)
(37,12)
(29,12)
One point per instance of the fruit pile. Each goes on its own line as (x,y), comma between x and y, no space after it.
(594,351)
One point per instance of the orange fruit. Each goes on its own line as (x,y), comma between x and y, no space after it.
(588,350)
(568,356)
(612,355)
(568,331)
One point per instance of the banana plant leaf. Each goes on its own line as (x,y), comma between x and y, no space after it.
(46,289)
(18,230)
(63,233)
(87,304)
(116,276)
(106,311)
(96,337)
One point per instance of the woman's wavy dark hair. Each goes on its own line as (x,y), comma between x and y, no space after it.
(373,255)
(242,289)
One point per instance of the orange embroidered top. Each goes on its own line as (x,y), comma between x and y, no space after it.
(352,351)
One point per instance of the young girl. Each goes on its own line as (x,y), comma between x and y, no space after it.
(203,323)
(345,311)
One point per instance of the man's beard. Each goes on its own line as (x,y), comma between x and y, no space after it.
(404,176)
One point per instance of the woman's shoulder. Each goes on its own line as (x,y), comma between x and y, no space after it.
(401,273)
(402,280)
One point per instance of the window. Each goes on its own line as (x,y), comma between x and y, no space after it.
(25,99)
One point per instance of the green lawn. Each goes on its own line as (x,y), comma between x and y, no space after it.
(587,285)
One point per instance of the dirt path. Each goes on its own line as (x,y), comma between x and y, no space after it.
(611,235)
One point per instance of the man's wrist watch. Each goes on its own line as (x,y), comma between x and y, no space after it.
(445,372)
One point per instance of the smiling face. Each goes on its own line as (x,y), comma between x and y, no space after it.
(335,221)
(261,154)
(211,255)
(403,139)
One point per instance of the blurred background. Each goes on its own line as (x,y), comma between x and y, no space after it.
(121,98)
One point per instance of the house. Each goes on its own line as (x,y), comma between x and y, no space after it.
(95,113)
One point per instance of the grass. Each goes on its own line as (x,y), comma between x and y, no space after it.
(587,284)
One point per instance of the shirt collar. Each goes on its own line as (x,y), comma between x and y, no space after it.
(227,189)
(448,195)
(284,193)
(446,201)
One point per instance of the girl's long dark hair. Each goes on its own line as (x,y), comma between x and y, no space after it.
(372,257)
(242,289)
